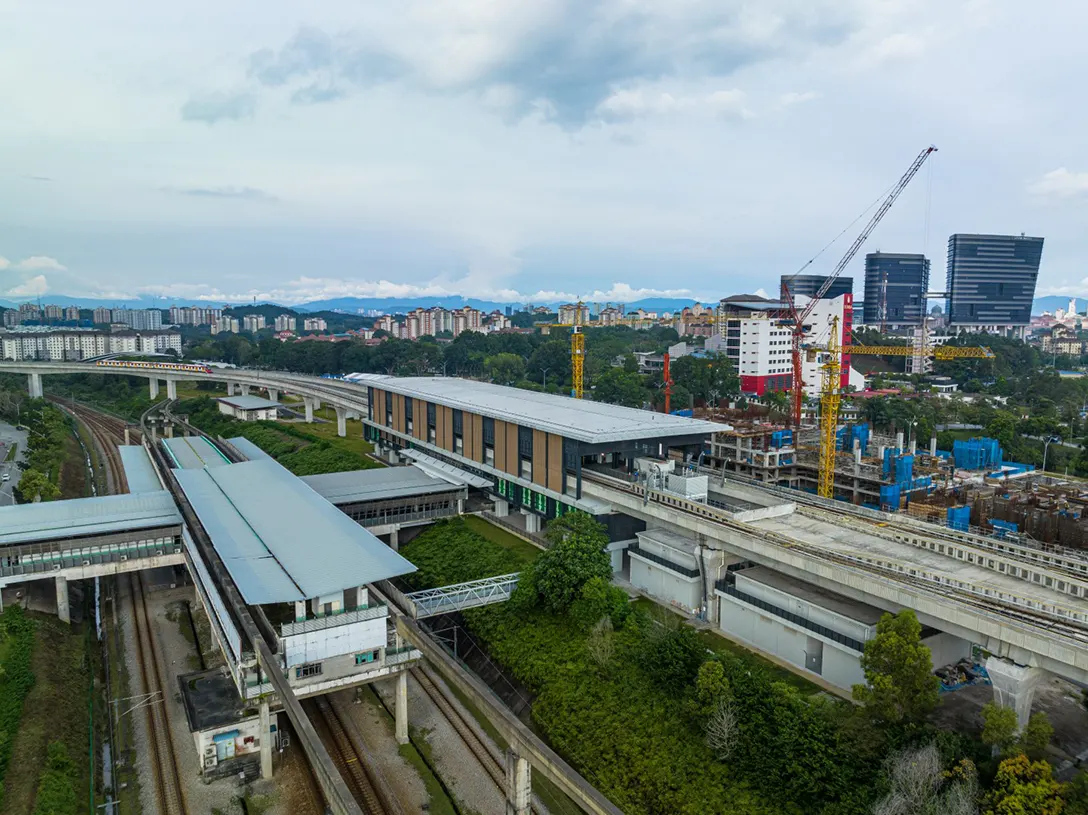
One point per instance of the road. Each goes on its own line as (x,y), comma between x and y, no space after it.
(9,436)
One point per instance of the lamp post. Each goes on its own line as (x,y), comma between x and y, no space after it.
(545,372)
(1046,447)
(910,431)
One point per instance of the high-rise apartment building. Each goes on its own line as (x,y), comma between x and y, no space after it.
(102,315)
(72,313)
(139,319)
(895,290)
(285,322)
(574,314)
(314,324)
(991,282)
(54,313)
(226,324)
(806,285)
(253,322)
(194,315)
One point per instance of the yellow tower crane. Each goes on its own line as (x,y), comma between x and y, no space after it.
(577,349)
(829,411)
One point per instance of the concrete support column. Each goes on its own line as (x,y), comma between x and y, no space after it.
(169,431)
(401,708)
(309,403)
(933,445)
(243,388)
(519,784)
(230,389)
(899,440)
(300,610)
(460,506)
(394,539)
(62,600)
(273,394)
(857,452)
(502,507)
(391,454)
(153,388)
(127,439)
(913,446)
(1014,686)
(266,742)
(532,521)
(171,389)
(341,422)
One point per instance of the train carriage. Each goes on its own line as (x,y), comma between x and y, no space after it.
(181,367)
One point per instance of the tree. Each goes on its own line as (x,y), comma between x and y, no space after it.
(1024,787)
(918,785)
(599,643)
(1037,735)
(1076,795)
(34,486)
(553,356)
(900,686)
(723,729)
(712,688)
(576,555)
(1003,428)
(999,727)
(599,598)
(617,387)
(505,369)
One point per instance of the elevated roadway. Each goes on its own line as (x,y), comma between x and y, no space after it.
(1032,613)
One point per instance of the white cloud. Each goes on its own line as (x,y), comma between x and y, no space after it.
(4,263)
(1060,183)
(795,98)
(638,103)
(40,263)
(33,287)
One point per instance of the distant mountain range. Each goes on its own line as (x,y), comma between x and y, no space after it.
(351,305)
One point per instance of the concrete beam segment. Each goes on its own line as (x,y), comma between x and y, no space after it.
(341,422)
(62,600)
(401,708)
(35,386)
(153,388)
(1014,686)
(394,538)
(273,394)
(502,507)
(266,741)
(532,521)
(244,388)
(171,389)
(519,784)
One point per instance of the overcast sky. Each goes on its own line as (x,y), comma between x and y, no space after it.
(616,149)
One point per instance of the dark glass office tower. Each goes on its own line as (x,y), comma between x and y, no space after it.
(907,281)
(808,284)
(991,281)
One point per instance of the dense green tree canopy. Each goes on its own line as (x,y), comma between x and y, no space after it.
(900,688)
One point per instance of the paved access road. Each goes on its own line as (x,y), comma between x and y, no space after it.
(9,436)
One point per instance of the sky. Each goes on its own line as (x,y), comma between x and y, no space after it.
(529,150)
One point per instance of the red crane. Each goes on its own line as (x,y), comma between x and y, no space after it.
(798,318)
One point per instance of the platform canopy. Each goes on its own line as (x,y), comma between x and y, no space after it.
(86,517)
(279,539)
(194,452)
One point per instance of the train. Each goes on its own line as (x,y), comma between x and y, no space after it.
(156,366)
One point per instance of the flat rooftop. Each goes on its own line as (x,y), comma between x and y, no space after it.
(139,471)
(357,486)
(86,517)
(194,453)
(843,606)
(249,402)
(211,699)
(579,419)
(279,539)
(248,448)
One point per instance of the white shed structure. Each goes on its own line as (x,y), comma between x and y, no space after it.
(248,408)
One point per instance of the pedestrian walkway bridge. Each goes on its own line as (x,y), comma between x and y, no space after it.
(460,596)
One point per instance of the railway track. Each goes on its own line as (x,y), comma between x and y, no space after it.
(169,789)
(345,755)
(107,433)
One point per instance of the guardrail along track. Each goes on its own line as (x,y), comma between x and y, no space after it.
(344,754)
(169,789)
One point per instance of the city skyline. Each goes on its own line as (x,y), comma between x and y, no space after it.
(300,159)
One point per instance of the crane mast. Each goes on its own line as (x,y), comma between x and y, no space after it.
(799,317)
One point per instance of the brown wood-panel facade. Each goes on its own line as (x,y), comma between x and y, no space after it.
(474,436)
(398,413)
(419,419)
(555,463)
(540,457)
(511,465)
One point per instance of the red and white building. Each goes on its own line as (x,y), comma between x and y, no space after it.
(757,338)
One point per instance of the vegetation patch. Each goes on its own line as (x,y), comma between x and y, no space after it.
(124,396)
(452,551)
(301,452)
(16,680)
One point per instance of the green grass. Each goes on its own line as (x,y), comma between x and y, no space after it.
(12,451)
(352,442)
(525,551)
(54,710)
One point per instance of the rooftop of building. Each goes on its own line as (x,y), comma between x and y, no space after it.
(139,471)
(86,517)
(249,402)
(211,699)
(843,606)
(194,453)
(358,486)
(279,539)
(579,419)
(248,449)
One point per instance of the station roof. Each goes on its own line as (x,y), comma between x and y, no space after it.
(280,540)
(194,453)
(448,472)
(85,517)
(248,449)
(357,486)
(579,419)
(249,402)
(139,472)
